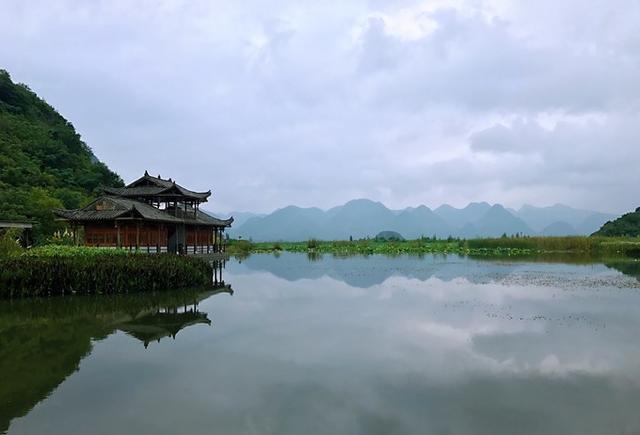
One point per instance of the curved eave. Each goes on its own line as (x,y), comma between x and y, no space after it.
(62,213)
(184,194)
(227,222)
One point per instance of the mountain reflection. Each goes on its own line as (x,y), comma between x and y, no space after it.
(43,341)
(631,267)
(534,347)
(367,271)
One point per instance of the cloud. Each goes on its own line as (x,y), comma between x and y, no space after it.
(406,102)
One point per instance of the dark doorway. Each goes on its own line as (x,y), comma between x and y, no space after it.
(172,240)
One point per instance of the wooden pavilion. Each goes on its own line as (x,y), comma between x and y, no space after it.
(152,214)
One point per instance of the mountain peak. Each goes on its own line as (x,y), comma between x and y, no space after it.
(362,201)
(363,217)
(445,207)
(478,206)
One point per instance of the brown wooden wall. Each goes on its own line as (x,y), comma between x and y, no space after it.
(205,236)
(107,235)
(100,235)
(150,234)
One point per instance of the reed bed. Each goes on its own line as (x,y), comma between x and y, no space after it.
(594,245)
(495,247)
(64,270)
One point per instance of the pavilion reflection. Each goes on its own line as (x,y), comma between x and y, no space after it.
(167,321)
(43,340)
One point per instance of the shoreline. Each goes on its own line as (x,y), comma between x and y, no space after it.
(491,247)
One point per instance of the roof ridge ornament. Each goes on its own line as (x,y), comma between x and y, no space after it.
(146,174)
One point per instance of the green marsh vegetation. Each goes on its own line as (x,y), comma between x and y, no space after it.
(490,247)
(60,270)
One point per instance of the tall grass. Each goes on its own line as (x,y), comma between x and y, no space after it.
(596,245)
(504,246)
(66,270)
(9,243)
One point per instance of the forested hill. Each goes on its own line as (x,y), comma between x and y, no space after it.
(626,225)
(44,163)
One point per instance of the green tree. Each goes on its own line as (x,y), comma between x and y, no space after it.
(44,164)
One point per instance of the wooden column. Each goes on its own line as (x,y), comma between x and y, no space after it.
(195,249)
(119,242)
(137,235)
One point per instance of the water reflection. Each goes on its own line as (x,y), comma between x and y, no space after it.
(631,268)
(42,341)
(167,323)
(443,345)
(367,271)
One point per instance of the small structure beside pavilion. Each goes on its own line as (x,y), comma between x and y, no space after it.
(151,214)
(24,228)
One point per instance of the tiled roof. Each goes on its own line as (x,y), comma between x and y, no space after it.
(118,207)
(207,219)
(134,191)
(155,186)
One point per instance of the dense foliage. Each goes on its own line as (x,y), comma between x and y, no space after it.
(62,270)
(44,164)
(9,245)
(627,225)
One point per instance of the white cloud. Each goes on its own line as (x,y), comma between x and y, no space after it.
(406,102)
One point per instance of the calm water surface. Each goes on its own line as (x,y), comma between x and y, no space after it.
(406,345)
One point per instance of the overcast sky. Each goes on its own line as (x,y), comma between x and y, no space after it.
(271,103)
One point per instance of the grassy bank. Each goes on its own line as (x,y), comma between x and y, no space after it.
(58,270)
(506,246)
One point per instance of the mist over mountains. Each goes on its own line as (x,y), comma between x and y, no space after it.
(362,218)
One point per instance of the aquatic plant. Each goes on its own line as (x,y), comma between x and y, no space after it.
(55,271)
(503,246)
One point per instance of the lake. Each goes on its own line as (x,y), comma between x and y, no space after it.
(297,344)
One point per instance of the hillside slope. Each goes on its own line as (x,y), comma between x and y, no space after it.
(43,161)
(626,225)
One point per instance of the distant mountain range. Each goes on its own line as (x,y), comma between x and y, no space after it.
(240,217)
(362,218)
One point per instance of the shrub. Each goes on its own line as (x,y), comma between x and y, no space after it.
(9,243)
